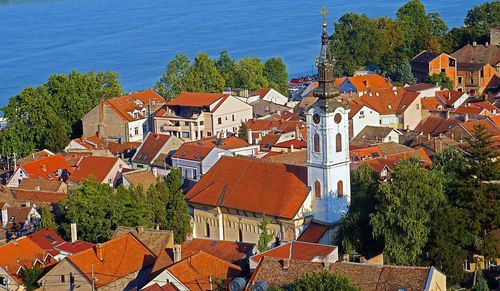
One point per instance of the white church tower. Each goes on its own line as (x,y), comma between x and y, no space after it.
(328,171)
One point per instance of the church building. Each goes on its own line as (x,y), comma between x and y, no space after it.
(229,202)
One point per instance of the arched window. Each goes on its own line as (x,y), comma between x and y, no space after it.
(340,188)
(317,189)
(338,142)
(316,143)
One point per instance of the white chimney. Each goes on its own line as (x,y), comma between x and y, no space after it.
(177,253)
(250,137)
(74,234)
(5,216)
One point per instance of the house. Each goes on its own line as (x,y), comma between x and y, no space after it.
(477,78)
(106,170)
(480,54)
(258,128)
(296,250)
(19,221)
(156,240)
(270,95)
(451,98)
(424,89)
(50,168)
(229,206)
(97,146)
(369,277)
(371,135)
(118,264)
(143,177)
(432,106)
(193,116)
(426,64)
(436,126)
(466,130)
(434,145)
(361,116)
(18,255)
(154,152)
(43,185)
(475,110)
(196,272)
(263,109)
(40,198)
(362,84)
(396,107)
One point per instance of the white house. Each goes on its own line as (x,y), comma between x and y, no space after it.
(425,90)
(270,95)
(361,116)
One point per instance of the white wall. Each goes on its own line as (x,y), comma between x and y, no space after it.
(132,125)
(365,116)
(275,97)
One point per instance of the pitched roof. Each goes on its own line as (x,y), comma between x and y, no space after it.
(449,97)
(97,167)
(142,177)
(431,104)
(297,158)
(94,142)
(229,251)
(127,104)
(425,57)
(369,82)
(230,183)
(296,143)
(228,143)
(52,243)
(113,259)
(297,250)
(273,124)
(192,151)
(35,156)
(39,196)
(195,271)
(269,140)
(47,168)
(262,92)
(313,233)
(18,216)
(367,277)
(478,54)
(155,240)
(488,124)
(470,66)
(435,125)
(421,87)
(40,185)
(156,287)
(372,134)
(196,99)
(389,101)
(150,148)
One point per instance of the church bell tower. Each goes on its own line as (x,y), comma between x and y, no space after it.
(328,171)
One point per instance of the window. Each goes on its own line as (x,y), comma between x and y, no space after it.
(337,118)
(316,143)
(418,106)
(207,229)
(338,142)
(136,130)
(240,235)
(340,188)
(219,120)
(71,279)
(194,174)
(209,133)
(451,62)
(459,80)
(62,279)
(201,122)
(443,70)
(233,118)
(185,134)
(317,189)
(186,123)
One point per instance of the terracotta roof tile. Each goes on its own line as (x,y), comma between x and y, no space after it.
(97,167)
(389,101)
(435,125)
(113,259)
(196,99)
(421,87)
(156,287)
(297,250)
(39,196)
(298,158)
(150,148)
(478,54)
(432,104)
(369,82)
(125,105)
(232,252)
(296,143)
(52,243)
(155,240)
(313,233)
(40,185)
(192,151)
(281,190)
(47,168)
(142,177)
(490,126)
(35,156)
(449,97)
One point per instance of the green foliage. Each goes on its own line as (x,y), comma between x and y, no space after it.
(31,276)
(227,68)
(172,81)
(481,283)
(265,237)
(355,229)
(324,281)
(404,210)
(48,219)
(276,74)
(404,73)
(57,138)
(178,219)
(203,76)
(441,79)
(250,74)
(243,131)
(481,148)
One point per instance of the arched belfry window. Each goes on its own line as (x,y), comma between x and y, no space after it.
(317,189)
(340,188)
(338,142)
(317,146)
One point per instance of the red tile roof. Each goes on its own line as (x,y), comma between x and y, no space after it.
(488,124)
(94,142)
(273,124)
(194,272)
(262,92)
(196,99)
(38,196)
(297,250)
(47,168)
(156,287)
(281,189)
(150,148)
(113,259)
(228,143)
(35,156)
(313,233)
(420,87)
(435,125)
(365,153)
(97,167)
(370,82)
(192,151)
(449,97)
(432,104)
(296,143)
(229,251)
(389,101)
(52,243)
(126,104)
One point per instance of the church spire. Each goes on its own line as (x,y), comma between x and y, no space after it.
(325,64)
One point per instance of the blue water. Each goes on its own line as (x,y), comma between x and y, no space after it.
(136,38)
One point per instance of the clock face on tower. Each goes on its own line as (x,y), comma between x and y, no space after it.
(316,118)
(337,118)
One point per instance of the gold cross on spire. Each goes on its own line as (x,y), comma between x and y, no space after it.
(324,12)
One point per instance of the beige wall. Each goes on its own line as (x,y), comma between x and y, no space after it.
(436,281)
(113,125)
(231,108)
(413,114)
(52,280)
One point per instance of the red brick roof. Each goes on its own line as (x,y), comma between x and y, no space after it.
(313,233)
(297,250)
(195,271)
(196,99)
(113,259)
(46,168)
(97,167)
(38,196)
(150,148)
(126,104)
(280,189)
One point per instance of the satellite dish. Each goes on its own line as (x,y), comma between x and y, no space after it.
(260,286)
(238,284)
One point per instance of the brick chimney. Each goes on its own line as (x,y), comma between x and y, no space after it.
(177,253)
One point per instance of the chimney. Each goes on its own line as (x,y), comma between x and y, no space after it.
(286,264)
(250,137)
(474,43)
(487,44)
(74,233)
(37,188)
(98,251)
(5,216)
(466,117)
(345,258)
(140,229)
(44,168)
(177,253)
(326,264)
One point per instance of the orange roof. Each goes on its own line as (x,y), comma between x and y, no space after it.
(93,166)
(35,156)
(273,124)
(365,153)
(297,250)
(296,143)
(150,148)
(52,243)
(488,124)
(449,97)
(262,92)
(228,143)
(113,259)
(370,82)
(313,233)
(126,104)
(495,119)
(21,253)
(94,142)
(192,151)
(196,99)
(280,191)
(268,141)
(195,271)
(337,82)
(389,160)
(431,104)
(355,105)
(47,168)
(389,101)
(156,287)
(229,251)
(38,196)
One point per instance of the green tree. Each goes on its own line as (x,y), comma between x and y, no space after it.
(227,68)
(276,74)
(355,229)
(441,79)
(48,219)
(178,219)
(172,81)
(31,276)
(481,283)
(405,75)
(243,131)
(203,76)
(481,148)
(404,210)
(264,237)
(392,47)
(250,74)
(324,281)
(57,138)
